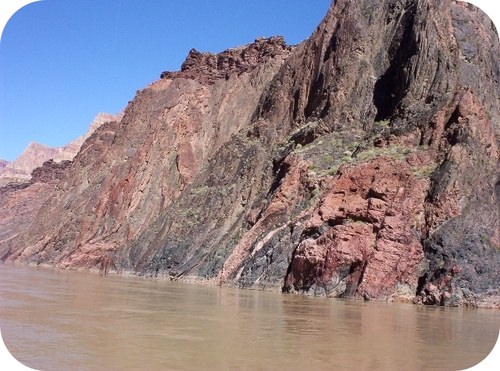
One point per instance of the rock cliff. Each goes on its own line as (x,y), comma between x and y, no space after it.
(361,163)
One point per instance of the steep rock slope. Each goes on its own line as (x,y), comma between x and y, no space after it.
(130,171)
(361,163)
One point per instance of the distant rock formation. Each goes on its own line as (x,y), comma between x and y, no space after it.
(69,151)
(32,157)
(362,163)
(3,164)
(35,154)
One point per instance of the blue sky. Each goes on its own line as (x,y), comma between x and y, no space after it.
(64,61)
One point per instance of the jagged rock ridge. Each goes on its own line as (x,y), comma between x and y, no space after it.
(361,163)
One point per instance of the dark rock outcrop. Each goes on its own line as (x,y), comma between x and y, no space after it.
(361,163)
(208,67)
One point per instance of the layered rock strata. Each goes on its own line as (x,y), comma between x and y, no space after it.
(361,163)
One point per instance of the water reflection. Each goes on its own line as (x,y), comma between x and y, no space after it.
(60,320)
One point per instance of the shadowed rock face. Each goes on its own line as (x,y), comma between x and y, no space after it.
(361,163)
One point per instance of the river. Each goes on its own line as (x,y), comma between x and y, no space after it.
(61,320)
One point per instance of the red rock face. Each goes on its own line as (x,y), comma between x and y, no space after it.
(372,216)
(209,68)
(361,163)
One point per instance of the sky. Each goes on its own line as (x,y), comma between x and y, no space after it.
(64,61)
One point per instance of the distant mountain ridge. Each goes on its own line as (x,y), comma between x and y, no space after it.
(3,164)
(35,154)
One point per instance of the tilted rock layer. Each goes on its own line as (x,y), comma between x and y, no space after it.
(361,163)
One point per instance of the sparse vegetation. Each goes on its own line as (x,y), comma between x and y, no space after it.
(328,158)
(339,148)
(394,151)
(485,239)
(333,170)
(350,220)
(423,171)
(315,195)
(199,190)
(383,123)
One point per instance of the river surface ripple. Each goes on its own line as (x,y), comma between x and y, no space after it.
(62,320)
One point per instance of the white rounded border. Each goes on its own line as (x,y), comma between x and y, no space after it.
(8,8)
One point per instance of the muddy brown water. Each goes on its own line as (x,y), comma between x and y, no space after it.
(61,320)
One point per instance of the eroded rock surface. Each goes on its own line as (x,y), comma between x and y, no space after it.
(369,225)
(362,163)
